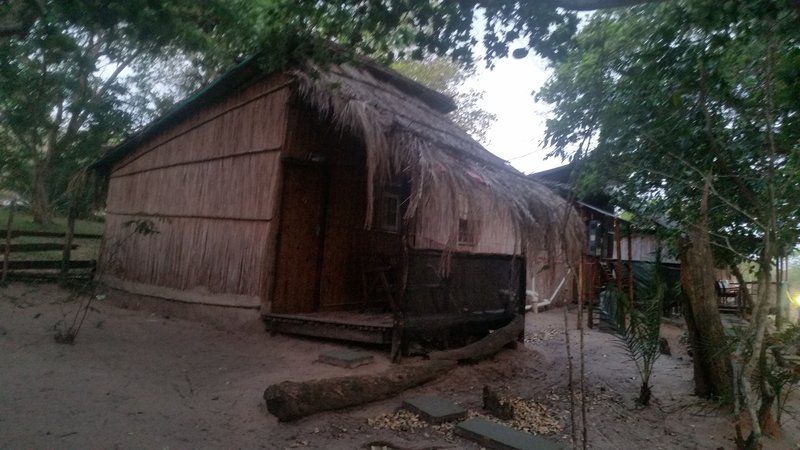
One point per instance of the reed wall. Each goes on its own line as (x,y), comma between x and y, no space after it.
(210,186)
(493,228)
(643,248)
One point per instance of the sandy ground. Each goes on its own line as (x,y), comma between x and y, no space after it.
(134,380)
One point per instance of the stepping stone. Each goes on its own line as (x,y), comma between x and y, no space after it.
(345,358)
(435,410)
(495,436)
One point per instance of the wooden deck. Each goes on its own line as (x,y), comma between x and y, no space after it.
(368,328)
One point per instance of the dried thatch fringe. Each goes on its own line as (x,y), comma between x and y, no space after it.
(405,136)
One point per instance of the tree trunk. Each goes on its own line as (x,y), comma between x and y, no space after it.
(66,254)
(40,200)
(701,383)
(485,347)
(645,393)
(712,364)
(290,400)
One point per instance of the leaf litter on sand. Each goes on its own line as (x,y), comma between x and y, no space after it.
(402,420)
(543,336)
(529,416)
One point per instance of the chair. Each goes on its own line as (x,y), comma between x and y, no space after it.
(726,292)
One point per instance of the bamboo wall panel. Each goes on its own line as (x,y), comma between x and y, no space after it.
(242,187)
(494,231)
(210,183)
(643,248)
(214,256)
(250,120)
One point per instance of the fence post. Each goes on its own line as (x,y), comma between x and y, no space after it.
(7,249)
(65,257)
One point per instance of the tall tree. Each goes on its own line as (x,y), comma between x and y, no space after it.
(83,72)
(78,74)
(691,110)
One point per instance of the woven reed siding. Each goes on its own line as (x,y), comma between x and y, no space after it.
(217,256)
(643,249)
(235,187)
(495,233)
(210,183)
(217,130)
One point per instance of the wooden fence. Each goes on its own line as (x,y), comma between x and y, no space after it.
(62,268)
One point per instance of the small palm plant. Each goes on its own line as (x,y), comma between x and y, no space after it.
(641,335)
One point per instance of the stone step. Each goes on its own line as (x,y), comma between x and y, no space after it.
(435,410)
(500,437)
(346,358)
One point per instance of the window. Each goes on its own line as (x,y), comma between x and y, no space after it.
(466,227)
(389,212)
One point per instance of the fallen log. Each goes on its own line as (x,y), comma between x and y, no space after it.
(290,400)
(485,347)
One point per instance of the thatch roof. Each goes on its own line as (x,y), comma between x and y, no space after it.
(406,131)
(405,134)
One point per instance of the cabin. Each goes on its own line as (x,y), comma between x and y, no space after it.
(617,253)
(337,202)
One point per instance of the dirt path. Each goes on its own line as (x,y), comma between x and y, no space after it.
(138,380)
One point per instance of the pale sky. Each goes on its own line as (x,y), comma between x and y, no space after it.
(518,132)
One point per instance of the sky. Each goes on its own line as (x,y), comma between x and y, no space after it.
(518,132)
(509,87)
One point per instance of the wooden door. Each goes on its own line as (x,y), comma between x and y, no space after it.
(302,228)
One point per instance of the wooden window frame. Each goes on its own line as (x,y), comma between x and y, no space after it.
(383,224)
(468,238)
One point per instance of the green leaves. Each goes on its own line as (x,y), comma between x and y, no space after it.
(87,72)
(665,95)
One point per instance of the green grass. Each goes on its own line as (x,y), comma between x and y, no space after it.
(87,248)
(24,221)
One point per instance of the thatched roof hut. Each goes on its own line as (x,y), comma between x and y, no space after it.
(412,134)
(405,209)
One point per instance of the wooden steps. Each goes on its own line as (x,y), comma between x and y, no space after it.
(364,328)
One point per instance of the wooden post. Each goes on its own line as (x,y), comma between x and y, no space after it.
(398,319)
(590,261)
(65,257)
(779,277)
(592,290)
(618,262)
(581,291)
(631,278)
(7,249)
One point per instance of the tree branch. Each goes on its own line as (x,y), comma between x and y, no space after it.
(591,5)
(20,17)
(81,112)
(708,128)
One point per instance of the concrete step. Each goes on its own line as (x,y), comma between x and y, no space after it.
(496,436)
(435,410)
(345,358)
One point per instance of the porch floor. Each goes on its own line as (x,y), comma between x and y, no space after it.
(371,328)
